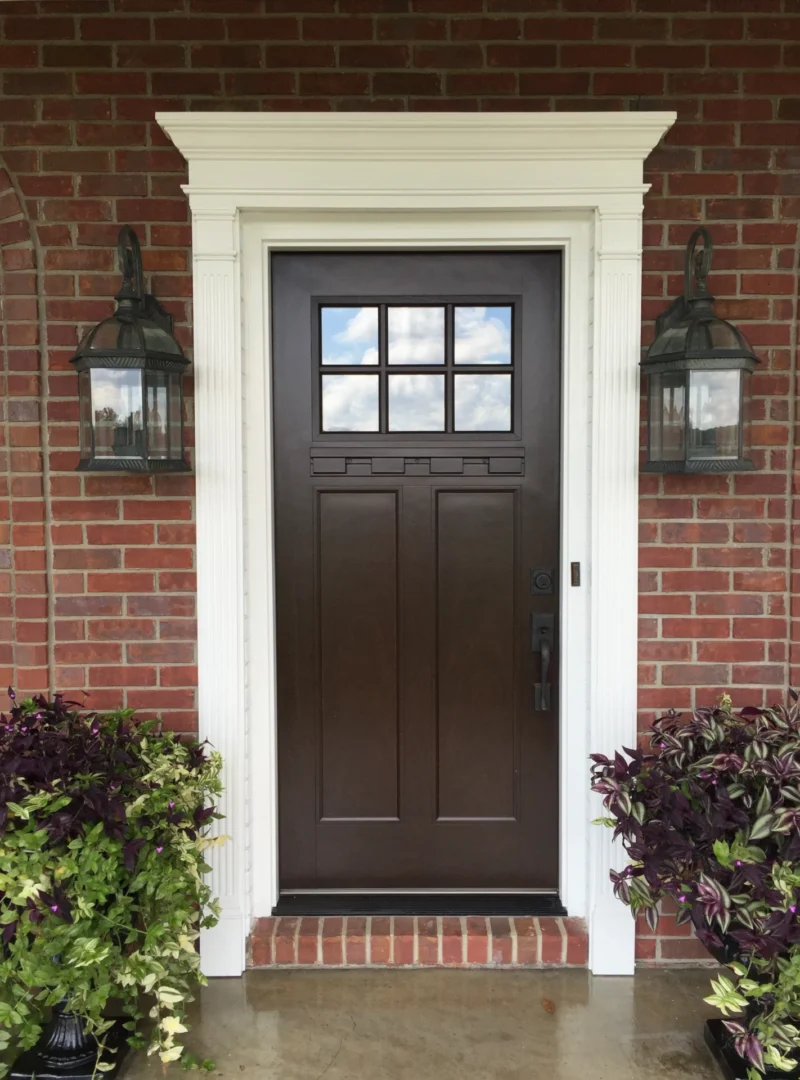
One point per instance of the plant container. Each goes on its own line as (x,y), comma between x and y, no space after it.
(66,1052)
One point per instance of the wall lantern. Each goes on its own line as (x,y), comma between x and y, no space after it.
(130,381)
(698,380)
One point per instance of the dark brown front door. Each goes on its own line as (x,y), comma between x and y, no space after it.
(416,416)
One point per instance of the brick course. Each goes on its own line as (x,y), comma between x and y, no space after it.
(96,572)
(400,941)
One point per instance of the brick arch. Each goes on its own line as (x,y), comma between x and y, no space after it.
(24,638)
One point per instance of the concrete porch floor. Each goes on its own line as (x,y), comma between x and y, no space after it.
(450,1025)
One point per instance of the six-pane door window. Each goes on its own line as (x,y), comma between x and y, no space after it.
(422,368)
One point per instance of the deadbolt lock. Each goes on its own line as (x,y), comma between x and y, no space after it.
(542,581)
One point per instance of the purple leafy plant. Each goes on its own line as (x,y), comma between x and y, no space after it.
(103,834)
(710,818)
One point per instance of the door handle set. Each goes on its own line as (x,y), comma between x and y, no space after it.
(543,642)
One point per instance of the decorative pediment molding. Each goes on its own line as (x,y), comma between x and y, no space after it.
(517,159)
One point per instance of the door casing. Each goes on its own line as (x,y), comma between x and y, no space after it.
(419,232)
(268,181)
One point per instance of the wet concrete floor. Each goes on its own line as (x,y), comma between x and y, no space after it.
(443,1025)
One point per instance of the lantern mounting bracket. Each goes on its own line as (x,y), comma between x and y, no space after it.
(132,298)
(697,266)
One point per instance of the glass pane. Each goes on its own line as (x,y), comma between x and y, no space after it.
(747,412)
(416,403)
(349,335)
(482,335)
(416,335)
(350,403)
(156,339)
(85,406)
(723,336)
(672,341)
(175,448)
(117,412)
(115,334)
(157,415)
(667,416)
(714,409)
(482,402)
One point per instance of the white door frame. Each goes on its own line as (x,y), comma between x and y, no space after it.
(262,182)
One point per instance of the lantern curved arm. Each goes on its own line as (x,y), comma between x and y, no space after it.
(697,265)
(130,265)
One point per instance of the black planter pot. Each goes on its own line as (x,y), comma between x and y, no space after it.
(733,1067)
(720,1041)
(730,950)
(66,1052)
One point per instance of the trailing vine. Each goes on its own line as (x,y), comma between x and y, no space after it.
(102,896)
(709,816)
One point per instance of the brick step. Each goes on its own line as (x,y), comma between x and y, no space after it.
(405,941)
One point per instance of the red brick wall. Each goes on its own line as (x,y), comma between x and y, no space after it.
(23,581)
(100,589)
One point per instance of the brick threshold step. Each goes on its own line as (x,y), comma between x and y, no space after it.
(356,941)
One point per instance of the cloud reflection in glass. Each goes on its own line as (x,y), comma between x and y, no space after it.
(416,335)
(349,335)
(350,403)
(482,402)
(416,403)
(482,335)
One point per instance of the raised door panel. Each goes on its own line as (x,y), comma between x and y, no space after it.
(476,589)
(357,582)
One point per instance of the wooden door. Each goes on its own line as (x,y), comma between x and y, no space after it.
(416,417)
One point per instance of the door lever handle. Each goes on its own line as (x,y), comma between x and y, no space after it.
(542,641)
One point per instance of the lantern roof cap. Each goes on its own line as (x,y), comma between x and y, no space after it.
(688,333)
(140,332)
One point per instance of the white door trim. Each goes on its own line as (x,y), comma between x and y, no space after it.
(259,182)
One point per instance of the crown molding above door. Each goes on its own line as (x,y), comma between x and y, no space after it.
(363,160)
(261,181)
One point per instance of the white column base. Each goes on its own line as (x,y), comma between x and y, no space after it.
(222,950)
(612,938)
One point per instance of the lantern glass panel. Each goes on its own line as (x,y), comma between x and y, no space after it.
(158,339)
(714,412)
(157,415)
(117,412)
(722,335)
(175,416)
(85,405)
(667,416)
(747,413)
(115,334)
(672,342)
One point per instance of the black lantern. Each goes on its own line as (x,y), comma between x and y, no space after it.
(130,381)
(698,380)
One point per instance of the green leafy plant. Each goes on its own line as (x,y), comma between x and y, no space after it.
(710,818)
(102,822)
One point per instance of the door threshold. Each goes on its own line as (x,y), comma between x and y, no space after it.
(422,903)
